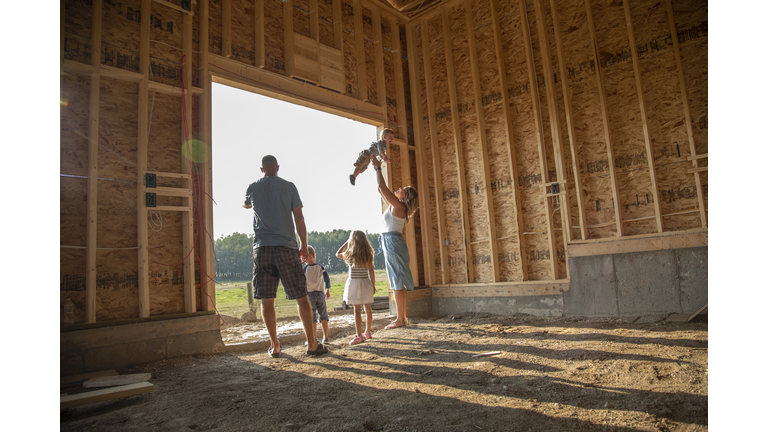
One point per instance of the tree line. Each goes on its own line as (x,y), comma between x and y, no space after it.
(234,253)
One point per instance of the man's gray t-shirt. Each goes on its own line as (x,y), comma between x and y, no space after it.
(273,200)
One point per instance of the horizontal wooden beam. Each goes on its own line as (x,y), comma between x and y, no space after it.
(698,156)
(171,208)
(169,191)
(699,169)
(643,243)
(171,90)
(170,174)
(236,74)
(509,289)
(121,74)
(118,380)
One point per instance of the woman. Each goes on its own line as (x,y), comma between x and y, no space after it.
(402,205)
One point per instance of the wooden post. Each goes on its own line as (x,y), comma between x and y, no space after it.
(569,122)
(644,117)
(425,208)
(362,87)
(687,112)
(258,13)
(93,165)
(187,219)
(606,125)
(457,141)
(539,136)
(436,164)
(510,138)
(226,29)
(141,164)
(208,286)
(482,138)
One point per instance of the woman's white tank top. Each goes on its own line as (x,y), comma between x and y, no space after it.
(392,222)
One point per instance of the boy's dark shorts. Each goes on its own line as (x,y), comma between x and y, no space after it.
(278,263)
(317,301)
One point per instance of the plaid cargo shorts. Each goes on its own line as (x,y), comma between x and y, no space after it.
(273,263)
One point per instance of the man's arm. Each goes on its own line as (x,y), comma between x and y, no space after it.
(301,228)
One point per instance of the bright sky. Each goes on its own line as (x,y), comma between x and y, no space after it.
(315,151)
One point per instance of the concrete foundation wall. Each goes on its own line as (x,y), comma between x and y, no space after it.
(622,285)
(118,346)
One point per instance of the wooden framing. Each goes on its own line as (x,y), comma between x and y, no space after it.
(644,118)
(362,87)
(606,124)
(381,87)
(93,166)
(482,138)
(208,287)
(288,37)
(569,123)
(687,113)
(457,142)
(425,208)
(258,19)
(141,157)
(402,124)
(510,147)
(226,28)
(550,229)
(640,243)
(176,7)
(435,152)
(187,219)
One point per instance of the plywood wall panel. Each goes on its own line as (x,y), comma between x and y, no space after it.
(405,58)
(301,17)
(394,153)
(78,21)
(164,147)
(118,126)
(325,19)
(166,280)
(117,294)
(215,24)
(273,36)
(73,145)
(243,32)
(416,220)
(73,193)
(72,280)
(120,20)
(482,262)
(166,45)
(370,57)
(389,78)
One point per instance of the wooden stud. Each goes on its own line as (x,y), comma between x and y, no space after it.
(288,37)
(569,122)
(93,165)
(554,264)
(457,141)
(208,287)
(687,112)
(226,28)
(397,55)
(378,49)
(509,121)
(483,139)
(644,118)
(141,164)
(258,14)
(362,86)
(187,219)
(338,38)
(421,160)
(606,124)
(436,164)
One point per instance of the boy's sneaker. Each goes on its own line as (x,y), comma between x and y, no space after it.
(326,340)
(352,179)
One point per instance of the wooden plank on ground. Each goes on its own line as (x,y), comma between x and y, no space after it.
(701,309)
(71,401)
(79,378)
(119,380)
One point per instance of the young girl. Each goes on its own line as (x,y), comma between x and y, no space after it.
(361,283)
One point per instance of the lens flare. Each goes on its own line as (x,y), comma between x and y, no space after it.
(196,151)
(64,102)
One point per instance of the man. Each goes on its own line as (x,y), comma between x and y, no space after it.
(276,255)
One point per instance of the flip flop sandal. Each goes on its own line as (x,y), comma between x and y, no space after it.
(357,340)
(319,351)
(394,324)
(272,353)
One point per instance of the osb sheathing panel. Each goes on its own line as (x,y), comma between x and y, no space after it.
(166,44)
(405,58)
(301,17)
(243,32)
(74,125)
(370,49)
(215,28)
(72,280)
(389,79)
(120,20)
(118,125)
(396,166)
(350,59)
(78,20)
(325,19)
(117,295)
(416,220)
(274,40)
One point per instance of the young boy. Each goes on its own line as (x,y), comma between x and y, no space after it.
(316,277)
(378,148)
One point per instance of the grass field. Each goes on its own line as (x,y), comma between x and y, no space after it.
(232,298)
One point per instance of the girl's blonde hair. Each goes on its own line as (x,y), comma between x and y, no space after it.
(359,250)
(411,202)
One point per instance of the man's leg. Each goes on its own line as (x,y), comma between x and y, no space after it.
(270,320)
(305,314)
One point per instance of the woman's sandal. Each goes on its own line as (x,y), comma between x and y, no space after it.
(272,353)
(394,324)
(357,340)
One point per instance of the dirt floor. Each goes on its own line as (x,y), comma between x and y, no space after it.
(550,375)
